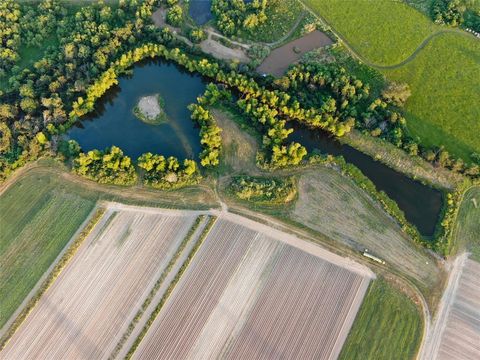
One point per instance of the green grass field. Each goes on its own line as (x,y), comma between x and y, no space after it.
(39,216)
(443,74)
(385,32)
(468,223)
(445,81)
(388,326)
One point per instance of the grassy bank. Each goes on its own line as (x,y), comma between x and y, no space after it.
(38,218)
(443,73)
(388,326)
(444,80)
(468,223)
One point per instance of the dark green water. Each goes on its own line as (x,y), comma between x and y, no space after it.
(113,122)
(421,204)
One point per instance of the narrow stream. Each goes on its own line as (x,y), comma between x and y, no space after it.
(420,203)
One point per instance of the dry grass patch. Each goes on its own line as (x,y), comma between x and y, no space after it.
(332,204)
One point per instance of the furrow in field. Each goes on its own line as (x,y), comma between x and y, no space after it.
(246,295)
(94,299)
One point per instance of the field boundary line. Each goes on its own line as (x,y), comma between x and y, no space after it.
(405,61)
(39,283)
(198,225)
(171,287)
(64,258)
(116,206)
(298,243)
(431,344)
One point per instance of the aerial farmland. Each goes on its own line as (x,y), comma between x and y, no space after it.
(252,292)
(216,179)
(90,304)
(456,331)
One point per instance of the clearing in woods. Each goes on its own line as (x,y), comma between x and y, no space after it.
(333,205)
(243,288)
(91,303)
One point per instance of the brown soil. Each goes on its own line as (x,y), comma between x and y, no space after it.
(222,52)
(280,59)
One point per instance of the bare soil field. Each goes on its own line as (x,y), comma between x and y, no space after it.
(253,292)
(281,58)
(457,331)
(223,52)
(89,306)
(333,205)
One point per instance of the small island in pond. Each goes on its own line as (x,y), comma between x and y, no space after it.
(150,109)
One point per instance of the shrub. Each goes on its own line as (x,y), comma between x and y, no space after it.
(262,190)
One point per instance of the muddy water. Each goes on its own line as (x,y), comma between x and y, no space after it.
(113,122)
(280,59)
(420,203)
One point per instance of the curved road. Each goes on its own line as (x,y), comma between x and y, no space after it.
(379,66)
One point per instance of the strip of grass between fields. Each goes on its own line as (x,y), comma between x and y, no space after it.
(387,326)
(157,286)
(62,263)
(170,288)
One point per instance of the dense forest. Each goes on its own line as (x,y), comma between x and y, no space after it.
(78,53)
(71,47)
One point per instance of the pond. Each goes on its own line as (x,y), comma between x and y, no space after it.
(113,122)
(282,57)
(420,203)
(199,11)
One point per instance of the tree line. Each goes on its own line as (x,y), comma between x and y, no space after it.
(348,100)
(38,97)
(233,15)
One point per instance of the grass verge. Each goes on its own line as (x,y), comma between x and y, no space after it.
(170,288)
(467,228)
(38,218)
(387,326)
(51,277)
(157,286)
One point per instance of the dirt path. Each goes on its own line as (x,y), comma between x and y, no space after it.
(223,52)
(210,31)
(431,343)
(360,57)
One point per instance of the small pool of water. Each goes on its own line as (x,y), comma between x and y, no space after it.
(200,11)
(113,122)
(420,203)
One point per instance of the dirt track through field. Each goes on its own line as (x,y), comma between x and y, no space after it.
(248,295)
(89,306)
(456,335)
